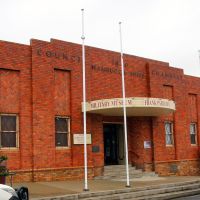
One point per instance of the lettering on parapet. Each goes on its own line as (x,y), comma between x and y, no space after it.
(166,75)
(116,62)
(73,58)
(59,55)
(116,71)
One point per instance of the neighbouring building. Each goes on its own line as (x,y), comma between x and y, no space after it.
(41,119)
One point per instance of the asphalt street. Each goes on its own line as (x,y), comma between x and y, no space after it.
(196,197)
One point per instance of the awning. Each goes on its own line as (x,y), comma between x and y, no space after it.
(135,106)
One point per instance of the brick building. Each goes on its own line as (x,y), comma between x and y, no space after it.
(41,120)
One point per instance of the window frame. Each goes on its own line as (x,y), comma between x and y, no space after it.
(17,131)
(68,133)
(171,133)
(195,133)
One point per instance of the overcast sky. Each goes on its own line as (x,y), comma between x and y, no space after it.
(166,30)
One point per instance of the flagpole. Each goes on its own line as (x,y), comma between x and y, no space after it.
(84,107)
(124,108)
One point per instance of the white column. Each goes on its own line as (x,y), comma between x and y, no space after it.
(84,107)
(124,108)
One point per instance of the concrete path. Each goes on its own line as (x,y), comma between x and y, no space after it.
(47,189)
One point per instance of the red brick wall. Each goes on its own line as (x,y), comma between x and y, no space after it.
(97,140)
(15,97)
(62,97)
(139,132)
(9,91)
(45,79)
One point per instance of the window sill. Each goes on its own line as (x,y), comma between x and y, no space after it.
(169,145)
(194,145)
(62,148)
(9,148)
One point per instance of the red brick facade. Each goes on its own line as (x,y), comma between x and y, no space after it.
(44,79)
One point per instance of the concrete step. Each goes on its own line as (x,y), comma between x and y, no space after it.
(122,170)
(117,166)
(151,174)
(117,177)
(118,172)
(154,194)
(124,173)
(117,169)
(171,195)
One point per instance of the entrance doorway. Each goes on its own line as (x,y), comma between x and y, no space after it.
(113,144)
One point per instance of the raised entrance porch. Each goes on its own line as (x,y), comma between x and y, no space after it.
(140,125)
(114,155)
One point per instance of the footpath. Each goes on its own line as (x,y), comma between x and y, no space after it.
(39,190)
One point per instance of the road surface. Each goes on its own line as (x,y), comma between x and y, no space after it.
(196,197)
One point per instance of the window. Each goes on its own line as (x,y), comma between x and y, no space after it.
(169,133)
(62,131)
(8,130)
(193,133)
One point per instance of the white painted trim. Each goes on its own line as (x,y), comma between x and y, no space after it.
(136,106)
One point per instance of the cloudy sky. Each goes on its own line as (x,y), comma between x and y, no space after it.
(166,30)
